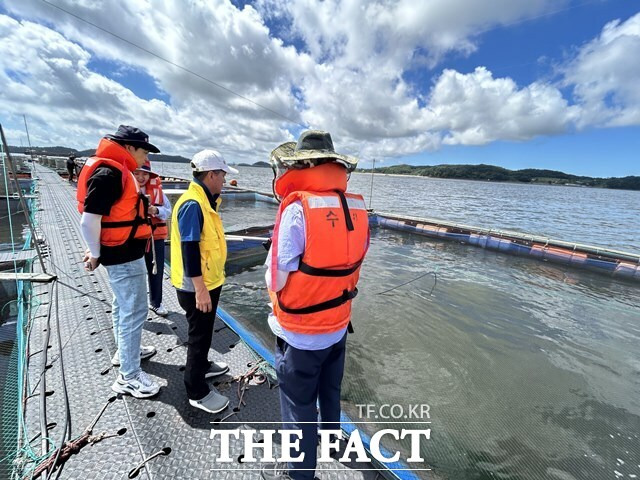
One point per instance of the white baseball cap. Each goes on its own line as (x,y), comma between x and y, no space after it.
(208,160)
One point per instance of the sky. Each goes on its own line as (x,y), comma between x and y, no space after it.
(516,83)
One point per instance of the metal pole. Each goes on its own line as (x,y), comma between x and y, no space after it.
(154,270)
(371,192)
(242,238)
(22,202)
(33,167)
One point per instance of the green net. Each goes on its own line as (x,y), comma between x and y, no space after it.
(9,409)
(17,457)
(9,313)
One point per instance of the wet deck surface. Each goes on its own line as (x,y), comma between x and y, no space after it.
(167,420)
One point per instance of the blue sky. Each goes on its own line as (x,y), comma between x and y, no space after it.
(138,81)
(594,153)
(539,84)
(527,51)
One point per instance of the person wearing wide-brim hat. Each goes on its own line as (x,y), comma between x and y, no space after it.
(320,238)
(159,211)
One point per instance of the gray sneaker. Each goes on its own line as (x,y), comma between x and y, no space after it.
(275,471)
(216,369)
(160,311)
(212,403)
(145,352)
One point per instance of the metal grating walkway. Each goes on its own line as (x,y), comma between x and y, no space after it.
(85,331)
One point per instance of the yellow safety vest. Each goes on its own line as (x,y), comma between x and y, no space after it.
(213,246)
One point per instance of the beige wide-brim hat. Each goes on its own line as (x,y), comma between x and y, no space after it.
(312,146)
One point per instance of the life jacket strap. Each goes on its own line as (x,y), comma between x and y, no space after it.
(124,223)
(319,307)
(325,272)
(137,220)
(345,209)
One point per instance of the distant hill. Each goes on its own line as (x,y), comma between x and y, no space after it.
(58,151)
(257,164)
(153,157)
(168,158)
(499,174)
(66,151)
(463,172)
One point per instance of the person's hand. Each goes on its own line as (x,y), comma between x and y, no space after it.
(90,263)
(203,300)
(153,210)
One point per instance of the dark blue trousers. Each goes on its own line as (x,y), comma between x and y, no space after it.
(309,378)
(155,281)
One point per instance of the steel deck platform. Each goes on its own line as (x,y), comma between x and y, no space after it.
(165,421)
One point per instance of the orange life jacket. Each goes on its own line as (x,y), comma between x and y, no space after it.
(317,297)
(154,190)
(128,216)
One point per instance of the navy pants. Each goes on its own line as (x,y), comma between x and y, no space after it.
(155,281)
(309,378)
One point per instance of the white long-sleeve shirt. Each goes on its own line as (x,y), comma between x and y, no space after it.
(90,226)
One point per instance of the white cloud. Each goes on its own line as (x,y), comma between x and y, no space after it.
(352,31)
(605,76)
(347,77)
(476,108)
(361,50)
(47,77)
(213,39)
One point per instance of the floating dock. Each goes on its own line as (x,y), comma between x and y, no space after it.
(603,260)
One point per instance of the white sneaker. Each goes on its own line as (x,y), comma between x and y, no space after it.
(141,386)
(145,352)
(161,310)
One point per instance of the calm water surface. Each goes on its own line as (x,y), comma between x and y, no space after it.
(530,371)
(585,215)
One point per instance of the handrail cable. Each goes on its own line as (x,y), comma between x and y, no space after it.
(66,429)
(44,429)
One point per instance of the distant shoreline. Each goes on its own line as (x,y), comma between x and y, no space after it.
(510,182)
(475,172)
(491,173)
